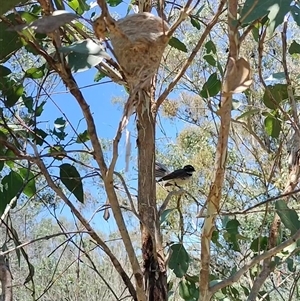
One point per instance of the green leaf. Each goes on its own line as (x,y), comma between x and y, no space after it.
(195,22)
(232,226)
(232,234)
(165,215)
(57,152)
(175,43)
(248,113)
(98,76)
(10,154)
(114,3)
(60,124)
(4,71)
(39,109)
(275,9)
(35,73)
(276,76)
(59,4)
(79,62)
(179,260)
(296,14)
(12,185)
(39,136)
(274,95)
(10,41)
(70,177)
(87,46)
(272,126)
(210,47)
(210,59)
(188,290)
(259,244)
(294,48)
(212,87)
(289,217)
(79,6)
(28,176)
(1,161)
(13,92)
(83,137)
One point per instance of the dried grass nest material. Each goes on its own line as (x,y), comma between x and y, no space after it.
(139,43)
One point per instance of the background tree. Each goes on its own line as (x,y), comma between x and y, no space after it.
(210,84)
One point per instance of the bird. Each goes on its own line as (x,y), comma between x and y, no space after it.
(178,177)
(160,170)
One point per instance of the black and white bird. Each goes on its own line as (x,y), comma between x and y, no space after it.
(160,170)
(178,177)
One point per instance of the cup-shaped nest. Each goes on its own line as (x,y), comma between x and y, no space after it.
(139,43)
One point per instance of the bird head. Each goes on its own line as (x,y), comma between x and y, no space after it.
(189,168)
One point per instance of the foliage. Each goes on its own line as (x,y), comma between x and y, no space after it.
(226,101)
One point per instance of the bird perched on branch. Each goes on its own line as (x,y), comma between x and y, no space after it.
(178,177)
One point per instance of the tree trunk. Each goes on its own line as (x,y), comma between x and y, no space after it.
(155,275)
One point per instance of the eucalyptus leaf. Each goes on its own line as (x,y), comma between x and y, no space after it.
(87,46)
(179,260)
(70,177)
(176,43)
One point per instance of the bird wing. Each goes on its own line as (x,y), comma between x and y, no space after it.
(179,173)
(160,170)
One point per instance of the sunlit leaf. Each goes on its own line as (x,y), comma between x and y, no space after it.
(70,177)
(176,43)
(275,9)
(87,46)
(79,6)
(35,73)
(79,62)
(272,126)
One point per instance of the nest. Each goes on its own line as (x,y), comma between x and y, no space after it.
(139,43)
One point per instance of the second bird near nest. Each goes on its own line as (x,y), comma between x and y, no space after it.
(177,178)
